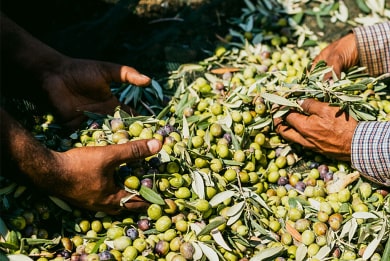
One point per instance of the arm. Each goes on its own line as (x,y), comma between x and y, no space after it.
(82,176)
(373,45)
(371,151)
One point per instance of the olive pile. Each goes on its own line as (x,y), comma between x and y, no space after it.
(225,186)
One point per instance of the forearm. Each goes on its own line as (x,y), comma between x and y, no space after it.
(23,157)
(371,151)
(373,44)
(25,55)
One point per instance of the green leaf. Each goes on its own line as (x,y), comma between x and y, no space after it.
(234,217)
(386,252)
(268,253)
(301,252)
(210,253)
(221,197)
(62,204)
(198,253)
(18,257)
(157,87)
(151,196)
(364,215)
(218,238)
(235,209)
(209,227)
(198,184)
(259,200)
(363,6)
(323,253)
(279,100)
(320,23)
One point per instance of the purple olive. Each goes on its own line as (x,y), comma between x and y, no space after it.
(300,186)
(147,182)
(106,255)
(323,169)
(328,176)
(143,224)
(227,137)
(132,233)
(282,181)
(162,248)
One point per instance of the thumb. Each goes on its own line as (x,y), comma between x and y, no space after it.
(134,150)
(130,75)
(314,107)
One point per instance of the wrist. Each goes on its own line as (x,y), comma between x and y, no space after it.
(25,159)
(352,53)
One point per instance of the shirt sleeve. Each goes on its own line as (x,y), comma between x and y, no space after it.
(370,151)
(373,43)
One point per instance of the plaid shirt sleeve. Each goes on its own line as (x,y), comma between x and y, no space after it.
(373,44)
(370,151)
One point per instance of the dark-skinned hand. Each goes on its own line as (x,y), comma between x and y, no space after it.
(321,128)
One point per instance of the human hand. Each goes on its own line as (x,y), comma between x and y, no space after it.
(79,85)
(85,176)
(324,129)
(341,54)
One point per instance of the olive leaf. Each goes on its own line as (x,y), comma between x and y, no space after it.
(268,253)
(353,229)
(364,215)
(210,253)
(386,252)
(185,128)
(218,238)
(235,209)
(151,195)
(372,246)
(315,204)
(8,189)
(62,204)
(198,184)
(212,225)
(274,98)
(301,252)
(221,197)
(235,213)
(323,253)
(196,228)
(363,6)
(198,253)
(18,257)
(260,124)
(346,228)
(258,199)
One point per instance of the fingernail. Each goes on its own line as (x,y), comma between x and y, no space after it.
(300,102)
(153,145)
(145,77)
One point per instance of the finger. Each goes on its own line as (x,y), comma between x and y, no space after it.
(125,201)
(315,107)
(126,74)
(134,150)
(303,124)
(292,135)
(136,204)
(131,75)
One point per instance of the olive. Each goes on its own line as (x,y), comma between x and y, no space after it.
(132,233)
(144,224)
(162,248)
